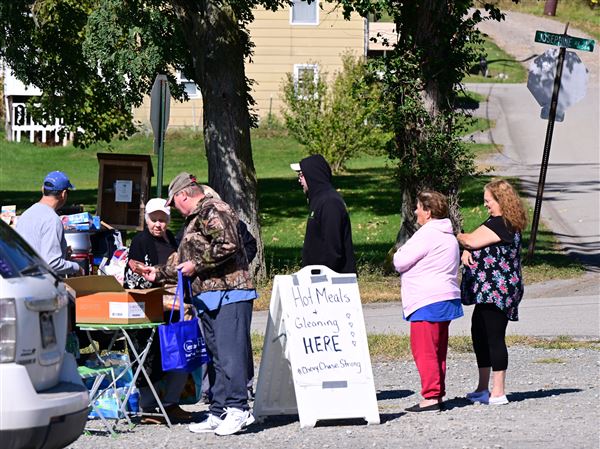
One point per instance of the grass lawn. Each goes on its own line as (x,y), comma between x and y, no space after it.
(383,347)
(502,67)
(577,12)
(368,187)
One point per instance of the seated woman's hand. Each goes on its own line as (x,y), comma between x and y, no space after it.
(138,267)
(149,273)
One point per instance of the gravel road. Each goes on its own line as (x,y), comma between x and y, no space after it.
(554,398)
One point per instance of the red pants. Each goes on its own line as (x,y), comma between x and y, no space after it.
(429,345)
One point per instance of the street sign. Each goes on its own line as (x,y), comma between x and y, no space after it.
(573,83)
(555,93)
(564,40)
(160,99)
(160,91)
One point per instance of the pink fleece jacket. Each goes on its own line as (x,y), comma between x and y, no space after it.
(428,263)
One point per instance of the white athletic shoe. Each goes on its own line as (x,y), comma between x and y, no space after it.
(235,420)
(208,425)
(500,400)
(479,396)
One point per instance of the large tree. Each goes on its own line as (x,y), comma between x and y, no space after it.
(437,43)
(96,60)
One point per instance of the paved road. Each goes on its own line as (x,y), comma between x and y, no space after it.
(515,35)
(571,206)
(575,316)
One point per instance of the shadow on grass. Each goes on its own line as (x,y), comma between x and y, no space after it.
(372,189)
(280,259)
(25,199)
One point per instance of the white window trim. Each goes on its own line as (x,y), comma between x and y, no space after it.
(183,80)
(297,68)
(314,2)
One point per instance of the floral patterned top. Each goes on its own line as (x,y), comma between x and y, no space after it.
(495,277)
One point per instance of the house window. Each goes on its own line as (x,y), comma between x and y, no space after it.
(190,86)
(303,74)
(304,13)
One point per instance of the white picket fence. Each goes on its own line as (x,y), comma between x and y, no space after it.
(22,123)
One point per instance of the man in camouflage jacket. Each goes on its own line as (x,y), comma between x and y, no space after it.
(212,255)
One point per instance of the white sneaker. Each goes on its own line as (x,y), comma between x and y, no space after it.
(235,420)
(208,425)
(479,396)
(500,400)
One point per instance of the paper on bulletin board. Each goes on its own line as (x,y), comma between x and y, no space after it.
(123,191)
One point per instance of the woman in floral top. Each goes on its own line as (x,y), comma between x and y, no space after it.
(492,281)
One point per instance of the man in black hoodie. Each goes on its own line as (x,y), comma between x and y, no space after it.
(328,239)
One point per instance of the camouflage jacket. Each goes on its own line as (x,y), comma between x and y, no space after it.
(212,242)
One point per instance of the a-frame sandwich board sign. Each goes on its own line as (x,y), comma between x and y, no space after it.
(315,359)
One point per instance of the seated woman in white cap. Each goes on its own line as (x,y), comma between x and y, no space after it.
(153,246)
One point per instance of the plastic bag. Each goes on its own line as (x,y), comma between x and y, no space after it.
(116,267)
(182,345)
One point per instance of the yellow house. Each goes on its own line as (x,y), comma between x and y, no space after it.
(301,37)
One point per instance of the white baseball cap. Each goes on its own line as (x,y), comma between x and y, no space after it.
(157,204)
(295,167)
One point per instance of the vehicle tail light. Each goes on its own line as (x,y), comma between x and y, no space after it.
(8,330)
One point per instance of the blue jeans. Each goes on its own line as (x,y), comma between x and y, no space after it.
(227,335)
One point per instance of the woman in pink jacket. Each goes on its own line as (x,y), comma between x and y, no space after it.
(428,263)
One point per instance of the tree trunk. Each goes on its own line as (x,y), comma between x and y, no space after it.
(219,46)
(435,95)
(409,219)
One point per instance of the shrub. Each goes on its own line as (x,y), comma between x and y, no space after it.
(339,120)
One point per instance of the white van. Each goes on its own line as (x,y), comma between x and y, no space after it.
(43,402)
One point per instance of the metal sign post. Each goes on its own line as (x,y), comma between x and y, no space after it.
(563,41)
(159,119)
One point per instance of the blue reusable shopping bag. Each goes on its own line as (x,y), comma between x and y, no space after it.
(182,346)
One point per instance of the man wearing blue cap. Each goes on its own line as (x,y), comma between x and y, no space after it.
(41,227)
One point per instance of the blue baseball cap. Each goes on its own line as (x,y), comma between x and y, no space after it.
(57,181)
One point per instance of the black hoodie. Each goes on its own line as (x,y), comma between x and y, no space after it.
(328,239)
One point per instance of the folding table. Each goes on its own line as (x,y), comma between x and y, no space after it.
(138,359)
(99,374)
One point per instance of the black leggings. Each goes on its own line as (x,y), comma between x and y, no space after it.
(488,330)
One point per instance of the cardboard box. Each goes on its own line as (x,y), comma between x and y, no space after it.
(82,217)
(102,300)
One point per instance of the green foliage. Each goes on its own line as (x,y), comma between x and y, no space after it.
(436,45)
(502,67)
(428,147)
(581,14)
(1,96)
(339,121)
